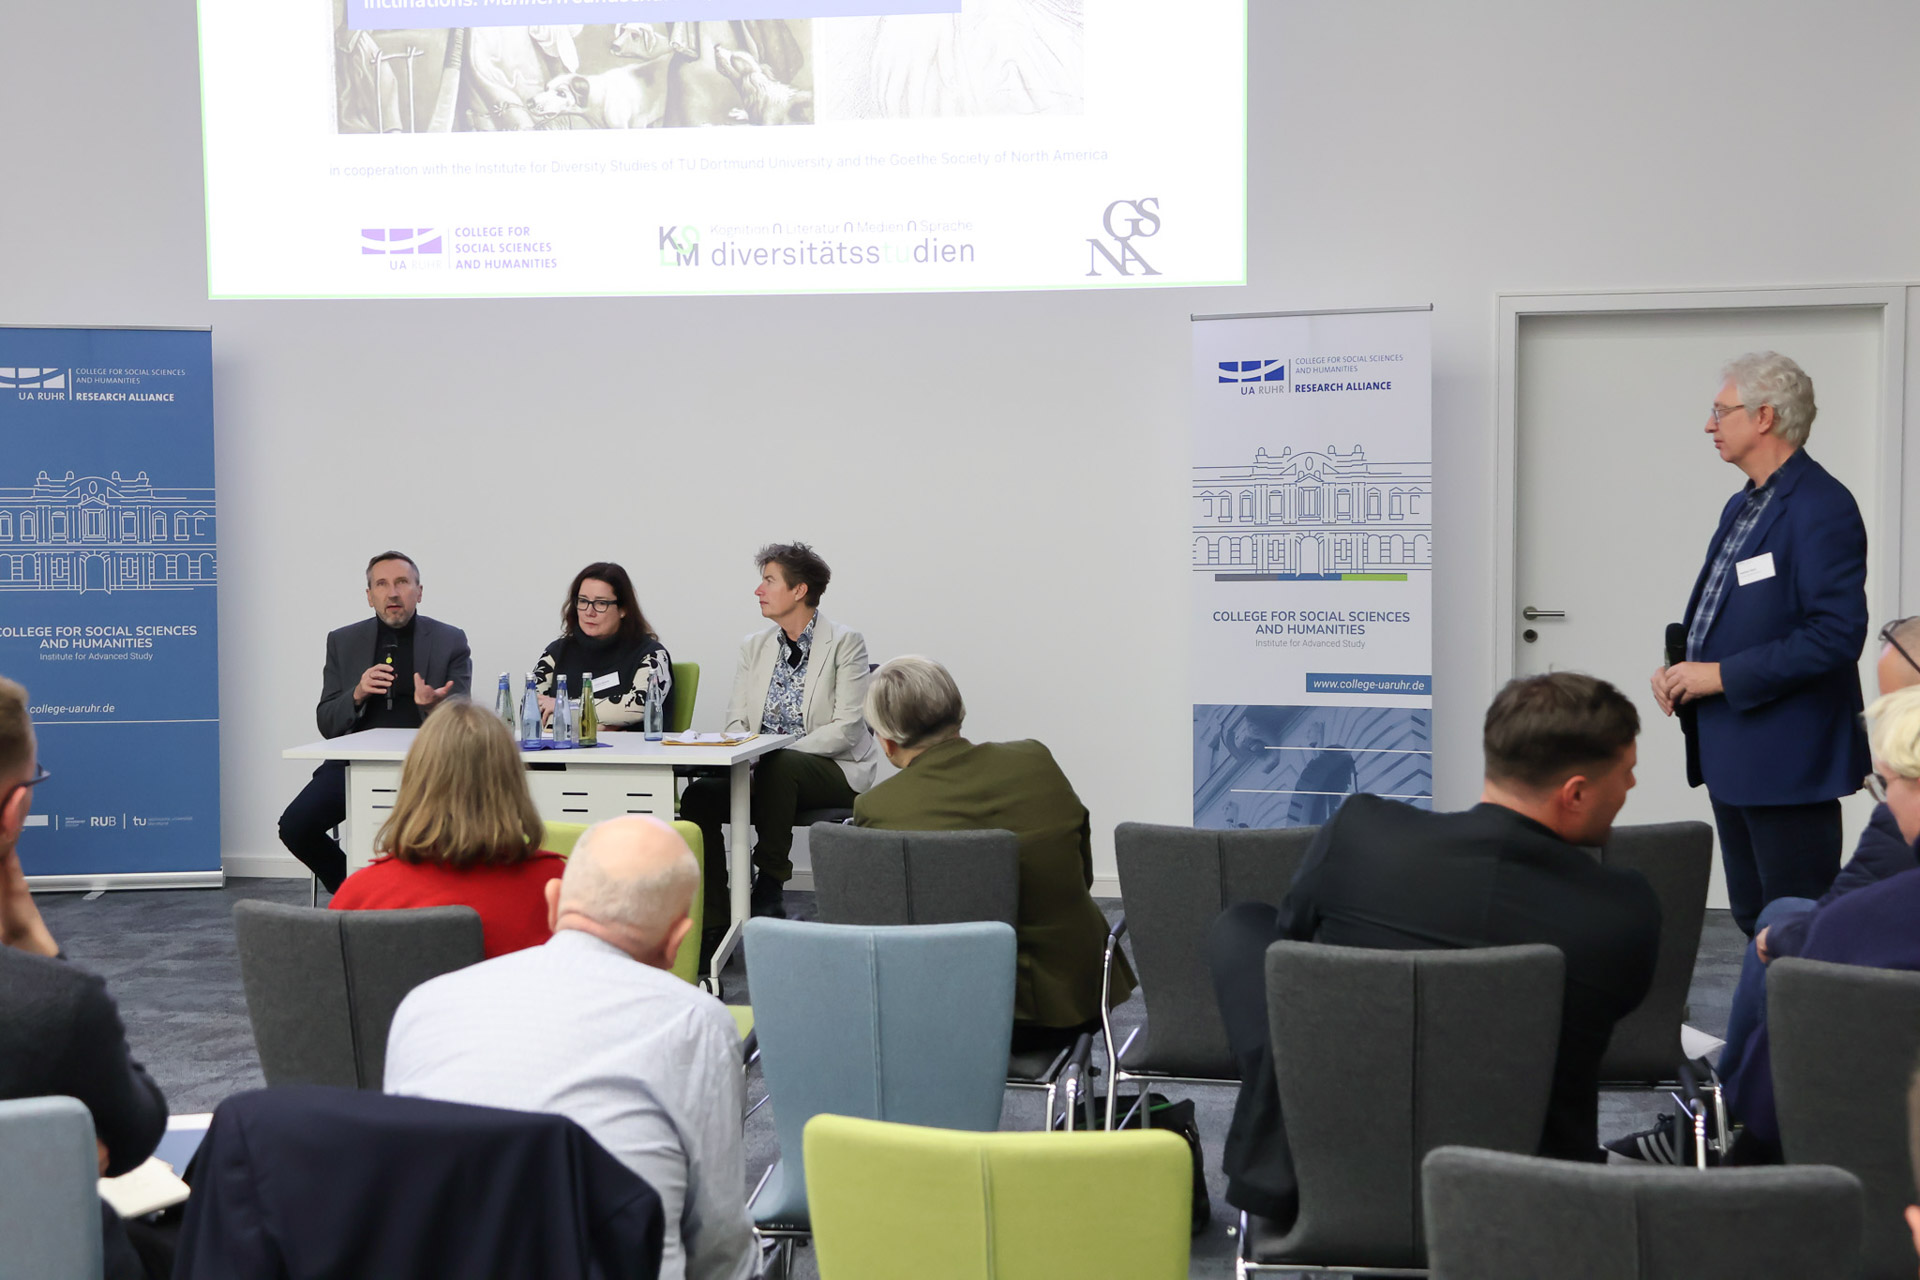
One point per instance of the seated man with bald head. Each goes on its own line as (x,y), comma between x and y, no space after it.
(594,1026)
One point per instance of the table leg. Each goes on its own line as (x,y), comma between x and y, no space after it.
(739,864)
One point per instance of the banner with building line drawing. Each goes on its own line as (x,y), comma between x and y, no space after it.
(1310,550)
(109,565)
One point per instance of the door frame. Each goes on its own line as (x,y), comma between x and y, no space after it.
(1883,536)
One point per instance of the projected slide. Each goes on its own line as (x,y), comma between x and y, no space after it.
(421,148)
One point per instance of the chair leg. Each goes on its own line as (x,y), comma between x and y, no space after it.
(313,890)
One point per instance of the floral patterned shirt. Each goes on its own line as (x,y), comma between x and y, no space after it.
(787,692)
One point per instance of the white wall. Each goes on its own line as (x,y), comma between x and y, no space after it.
(997,480)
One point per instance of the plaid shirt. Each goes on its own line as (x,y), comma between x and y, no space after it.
(1715,592)
(786,693)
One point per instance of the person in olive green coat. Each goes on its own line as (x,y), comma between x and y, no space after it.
(947,783)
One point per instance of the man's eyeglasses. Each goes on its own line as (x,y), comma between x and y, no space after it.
(40,775)
(585,605)
(1720,411)
(1877,788)
(1886,637)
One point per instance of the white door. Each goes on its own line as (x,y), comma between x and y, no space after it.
(1618,491)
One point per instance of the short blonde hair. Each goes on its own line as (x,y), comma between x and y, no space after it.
(1893,723)
(912,701)
(16,730)
(463,794)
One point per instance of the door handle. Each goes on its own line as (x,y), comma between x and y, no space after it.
(1532,614)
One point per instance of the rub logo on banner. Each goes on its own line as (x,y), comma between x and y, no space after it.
(391,240)
(1124,222)
(1253,371)
(34,379)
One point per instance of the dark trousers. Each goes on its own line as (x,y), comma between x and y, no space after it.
(320,807)
(1776,851)
(1257,1161)
(784,783)
(1750,993)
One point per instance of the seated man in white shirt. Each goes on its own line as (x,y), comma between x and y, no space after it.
(593,1026)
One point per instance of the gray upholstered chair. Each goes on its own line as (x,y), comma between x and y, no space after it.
(867,877)
(49,1209)
(1677,859)
(1492,1215)
(1844,1041)
(1174,882)
(1382,1056)
(322,985)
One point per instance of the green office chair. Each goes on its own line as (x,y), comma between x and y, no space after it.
(686,687)
(562,836)
(892,1200)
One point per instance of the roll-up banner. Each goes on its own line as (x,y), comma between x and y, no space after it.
(109,564)
(1311,557)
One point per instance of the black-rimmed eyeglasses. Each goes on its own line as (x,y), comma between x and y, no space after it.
(585,605)
(1886,637)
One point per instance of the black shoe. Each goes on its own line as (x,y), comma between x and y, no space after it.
(710,943)
(1668,1142)
(768,897)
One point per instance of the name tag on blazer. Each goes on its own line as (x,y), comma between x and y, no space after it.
(603,683)
(1758,569)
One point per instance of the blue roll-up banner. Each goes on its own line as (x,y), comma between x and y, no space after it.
(1311,555)
(109,565)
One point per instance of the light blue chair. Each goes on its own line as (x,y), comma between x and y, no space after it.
(906,1023)
(49,1205)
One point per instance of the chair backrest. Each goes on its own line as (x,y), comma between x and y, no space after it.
(560,837)
(1175,881)
(1492,1215)
(322,985)
(907,1023)
(1677,859)
(686,965)
(1843,1041)
(1381,1056)
(686,687)
(894,1200)
(862,876)
(49,1209)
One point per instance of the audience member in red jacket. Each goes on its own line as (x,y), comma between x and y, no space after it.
(463,832)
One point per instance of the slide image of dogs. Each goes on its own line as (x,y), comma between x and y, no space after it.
(993,58)
(768,101)
(625,98)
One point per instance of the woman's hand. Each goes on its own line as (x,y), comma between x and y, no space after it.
(546,710)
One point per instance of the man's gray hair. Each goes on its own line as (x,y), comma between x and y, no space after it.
(912,701)
(1767,377)
(649,903)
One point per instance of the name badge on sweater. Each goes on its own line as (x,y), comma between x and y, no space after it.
(1758,569)
(603,683)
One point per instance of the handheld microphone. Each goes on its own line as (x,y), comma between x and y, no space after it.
(387,651)
(1676,642)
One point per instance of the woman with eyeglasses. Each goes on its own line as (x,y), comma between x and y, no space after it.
(605,645)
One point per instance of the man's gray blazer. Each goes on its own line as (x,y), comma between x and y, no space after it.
(440,654)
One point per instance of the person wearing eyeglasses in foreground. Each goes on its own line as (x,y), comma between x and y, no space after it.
(1769,691)
(605,645)
(60,1032)
(1876,927)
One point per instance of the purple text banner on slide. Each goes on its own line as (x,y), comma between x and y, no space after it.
(379,15)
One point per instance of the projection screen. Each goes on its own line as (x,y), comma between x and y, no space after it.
(420,148)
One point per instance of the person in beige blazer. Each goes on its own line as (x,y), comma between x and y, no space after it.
(804,676)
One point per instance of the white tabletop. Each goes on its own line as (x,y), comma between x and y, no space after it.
(615,748)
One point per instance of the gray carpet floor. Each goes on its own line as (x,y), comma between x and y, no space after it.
(169,959)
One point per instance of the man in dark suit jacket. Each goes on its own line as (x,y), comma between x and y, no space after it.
(1516,868)
(1775,626)
(59,1031)
(383,672)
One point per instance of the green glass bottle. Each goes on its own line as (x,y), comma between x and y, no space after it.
(589,718)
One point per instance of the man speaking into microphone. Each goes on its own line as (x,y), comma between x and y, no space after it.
(384,672)
(1764,669)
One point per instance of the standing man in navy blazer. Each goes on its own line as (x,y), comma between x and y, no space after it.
(1769,691)
(383,672)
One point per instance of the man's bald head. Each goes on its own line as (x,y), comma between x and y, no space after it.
(1898,669)
(631,882)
